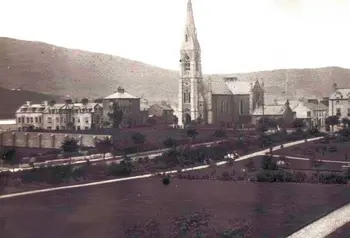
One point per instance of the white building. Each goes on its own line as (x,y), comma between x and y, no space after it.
(59,116)
(339,102)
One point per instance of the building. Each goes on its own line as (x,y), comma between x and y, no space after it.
(59,116)
(274,111)
(162,112)
(129,104)
(339,102)
(312,111)
(212,101)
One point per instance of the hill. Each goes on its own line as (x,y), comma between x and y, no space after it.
(11,100)
(41,67)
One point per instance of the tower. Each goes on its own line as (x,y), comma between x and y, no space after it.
(190,71)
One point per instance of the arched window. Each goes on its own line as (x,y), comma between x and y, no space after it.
(187,63)
(241,107)
(186,37)
(187,97)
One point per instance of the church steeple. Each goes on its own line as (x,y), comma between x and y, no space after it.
(190,18)
(190,39)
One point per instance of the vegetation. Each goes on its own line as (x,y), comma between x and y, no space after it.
(138,138)
(70,145)
(8,155)
(332,121)
(298,124)
(104,146)
(116,116)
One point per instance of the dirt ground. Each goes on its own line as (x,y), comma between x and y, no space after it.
(147,208)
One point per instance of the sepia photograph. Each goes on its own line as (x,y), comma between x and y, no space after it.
(175,119)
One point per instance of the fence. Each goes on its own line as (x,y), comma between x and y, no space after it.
(44,140)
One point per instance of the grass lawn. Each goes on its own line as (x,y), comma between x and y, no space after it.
(342,232)
(316,148)
(147,208)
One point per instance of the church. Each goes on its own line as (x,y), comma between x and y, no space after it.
(212,101)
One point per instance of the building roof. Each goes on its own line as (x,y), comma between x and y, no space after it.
(239,87)
(164,107)
(219,87)
(344,93)
(32,108)
(8,122)
(275,110)
(121,94)
(315,106)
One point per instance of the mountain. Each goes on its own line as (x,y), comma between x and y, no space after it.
(41,67)
(12,99)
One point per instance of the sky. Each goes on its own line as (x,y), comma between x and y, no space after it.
(235,35)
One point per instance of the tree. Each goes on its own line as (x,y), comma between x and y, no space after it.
(170,143)
(345,121)
(220,134)
(8,155)
(298,124)
(268,123)
(175,120)
(116,116)
(98,100)
(84,101)
(192,132)
(70,145)
(152,121)
(138,138)
(104,145)
(332,121)
(52,102)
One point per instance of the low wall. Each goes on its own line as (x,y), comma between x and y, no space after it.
(44,140)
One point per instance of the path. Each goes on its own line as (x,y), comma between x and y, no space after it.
(326,225)
(307,159)
(244,157)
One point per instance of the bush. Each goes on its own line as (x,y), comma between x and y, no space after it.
(268,163)
(332,179)
(121,169)
(220,134)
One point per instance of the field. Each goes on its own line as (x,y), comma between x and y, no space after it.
(144,207)
(319,150)
(342,232)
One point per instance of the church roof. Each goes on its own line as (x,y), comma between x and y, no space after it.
(239,87)
(219,87)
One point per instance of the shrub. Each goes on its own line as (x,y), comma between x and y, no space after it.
(121,169)
(332,179)
(268,163)
(220,133)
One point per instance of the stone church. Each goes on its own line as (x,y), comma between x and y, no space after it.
(214,101)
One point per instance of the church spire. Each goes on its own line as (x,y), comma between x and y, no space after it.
(190,18)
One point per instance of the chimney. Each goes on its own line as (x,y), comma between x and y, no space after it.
(334,86)
(29,103)
(68,101)
(120,89)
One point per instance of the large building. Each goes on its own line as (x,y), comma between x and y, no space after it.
(339,102)
(59,116)
(212,101)
(129,104)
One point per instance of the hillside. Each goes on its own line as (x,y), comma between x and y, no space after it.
(40,67)
(11,100)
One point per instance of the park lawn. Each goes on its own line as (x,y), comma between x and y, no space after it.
(139,208)
(315,149)
(342,232)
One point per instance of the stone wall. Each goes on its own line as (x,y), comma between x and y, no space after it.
(43,140)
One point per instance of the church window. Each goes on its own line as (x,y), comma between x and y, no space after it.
(187,63)
(186,37)
(187,97)
(240,107)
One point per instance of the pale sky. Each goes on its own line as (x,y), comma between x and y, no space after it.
(235,35)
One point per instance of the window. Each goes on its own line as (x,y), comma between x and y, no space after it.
(86,120)
(57,120)
(187,63)
(308,114)
(36,120)
(348,112)
(27,119)
(187,97)
(19,120)
(31,120)
(186,37)
(73,120)
(240,107)
(338,112)
(49,120)
(39,119)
